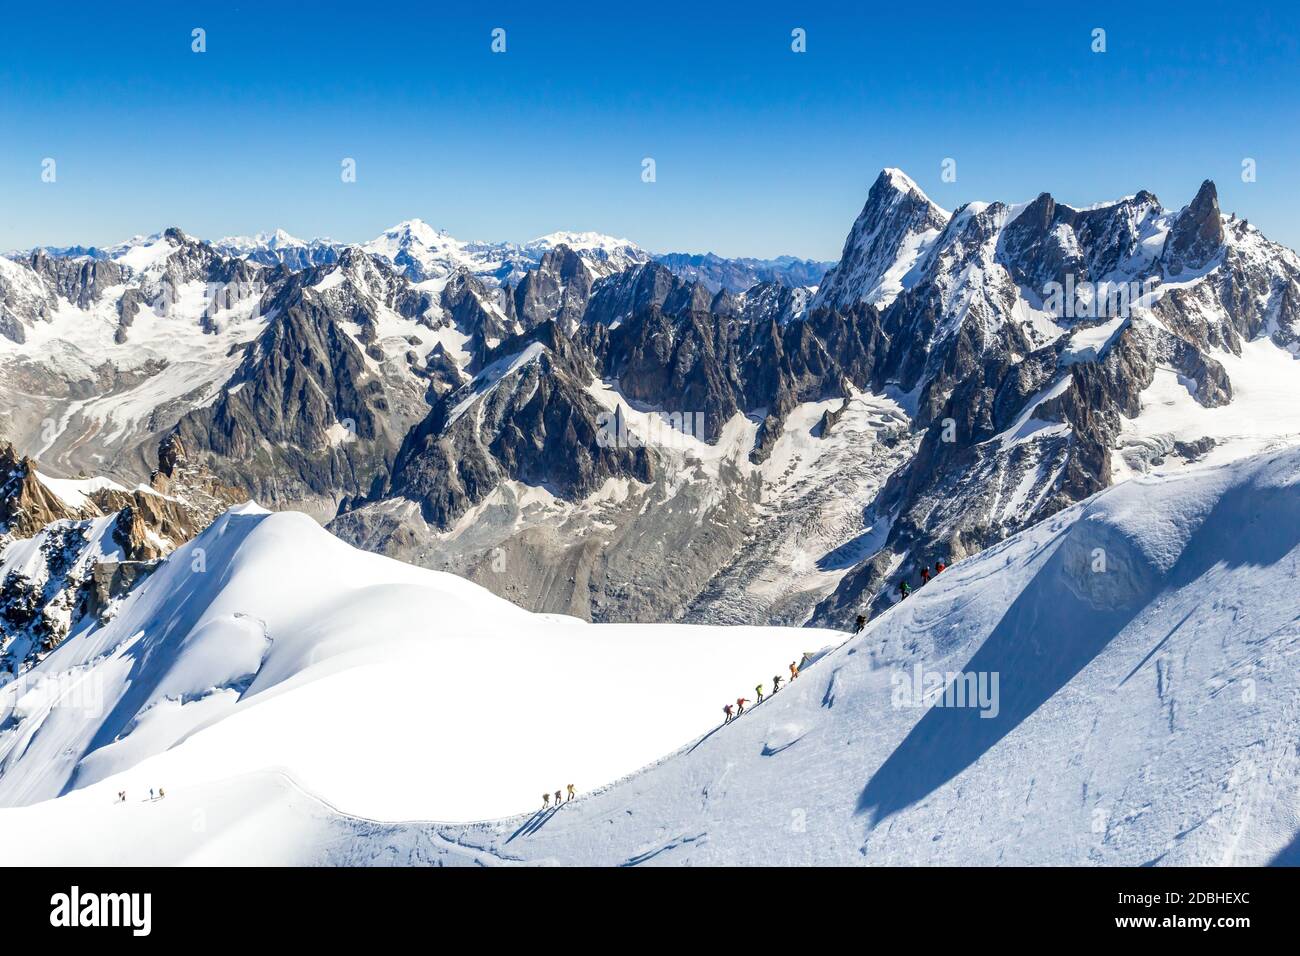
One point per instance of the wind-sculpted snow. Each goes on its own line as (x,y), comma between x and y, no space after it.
(1151,719)
(391,691)
(1158,727)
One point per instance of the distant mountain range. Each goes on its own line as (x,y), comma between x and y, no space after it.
(1086,414)
(590,430)
(424,253)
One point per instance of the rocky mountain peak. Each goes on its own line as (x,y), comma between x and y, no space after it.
(354,258)
(895,227)
(1197,234)
(1040,212)
(26,504)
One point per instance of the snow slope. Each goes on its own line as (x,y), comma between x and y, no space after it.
(1261,416)
(391,691)
(1146,712)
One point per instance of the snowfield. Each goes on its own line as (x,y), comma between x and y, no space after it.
(1133,699)
(388,690)
(1261,416)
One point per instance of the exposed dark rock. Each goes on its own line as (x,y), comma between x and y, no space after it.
(895,213)
(532,421)
(69,585)
(1193,450)
(303,415)
(556,291)
(1197,234)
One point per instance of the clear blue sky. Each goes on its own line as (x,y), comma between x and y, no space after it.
(759,151)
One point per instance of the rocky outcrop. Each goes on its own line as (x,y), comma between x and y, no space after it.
(635,292)
(526,416)
(558,290)
(472,308)
(26,505)
(302,416)
(65,562)
(108,583)
(81,281)
(1197,233)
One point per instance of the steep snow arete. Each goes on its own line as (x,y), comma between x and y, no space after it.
(266,644)
(442,402)
(1146,711)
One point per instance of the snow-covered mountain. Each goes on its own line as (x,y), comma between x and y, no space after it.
(280,248)
(1111,686)
(100,357)
(266,645)
(896,228)
(426,254)
(615,254)
(1051,337)
(791,456)
(939,392)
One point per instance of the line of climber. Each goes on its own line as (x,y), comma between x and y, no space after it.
(732,711)
(904,589)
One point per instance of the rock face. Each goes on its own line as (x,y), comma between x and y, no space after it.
(590,431)
(70,549)
(895,228)
(81,281)
(26,505)
(1197,234)
(304,414)
(532,420)
(1011,348)
(556,291)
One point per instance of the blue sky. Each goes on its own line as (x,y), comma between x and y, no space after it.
(758,150)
